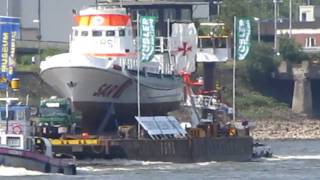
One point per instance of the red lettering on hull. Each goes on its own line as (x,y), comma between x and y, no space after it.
(110,90)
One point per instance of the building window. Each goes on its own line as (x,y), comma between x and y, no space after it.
(96,33)
(310,42)
(169,13)
(153,12)
(110,33)
(185,14)
(304,17)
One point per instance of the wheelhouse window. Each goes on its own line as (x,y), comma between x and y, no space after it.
(11,115)
(96,33)
(84,33)
(122,32)
(21,115)
(13,141)
(110,33)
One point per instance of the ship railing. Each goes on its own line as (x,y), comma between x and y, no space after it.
(155,67)
(161,44)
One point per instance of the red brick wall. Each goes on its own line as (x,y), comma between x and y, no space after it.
(301,38)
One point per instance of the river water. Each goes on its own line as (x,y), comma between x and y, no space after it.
(293,159)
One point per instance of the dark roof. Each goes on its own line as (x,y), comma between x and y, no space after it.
(267,26)
(152,3)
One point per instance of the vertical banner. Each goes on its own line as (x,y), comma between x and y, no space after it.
(9,28)
(243,29)
(147,37)
(184,42)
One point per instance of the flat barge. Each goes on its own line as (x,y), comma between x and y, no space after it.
(189,149)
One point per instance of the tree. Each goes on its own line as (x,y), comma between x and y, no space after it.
(260,64)
(264,9)
(291,50)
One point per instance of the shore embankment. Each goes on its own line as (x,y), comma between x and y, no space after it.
(298,128)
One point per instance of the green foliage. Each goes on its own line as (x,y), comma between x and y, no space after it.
(204,31)
(24,62)
(260,64)
(263,9)
(315,2)
(233,8)
(314,56)
(254,99)
(50,52)
(291,50)
(27,68)
(24,59)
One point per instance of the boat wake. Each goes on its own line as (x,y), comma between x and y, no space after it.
(206,163)
(293,157)
(12,171)
(99,165)
(117,162)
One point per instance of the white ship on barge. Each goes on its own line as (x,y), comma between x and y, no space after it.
(101,70)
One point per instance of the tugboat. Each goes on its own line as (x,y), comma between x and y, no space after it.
(18,148)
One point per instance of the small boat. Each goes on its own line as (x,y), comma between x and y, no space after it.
(18,148)
(260,150)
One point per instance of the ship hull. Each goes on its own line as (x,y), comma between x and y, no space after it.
(35,161)
(93,91)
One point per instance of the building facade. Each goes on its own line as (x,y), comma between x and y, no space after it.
(305,30)
(51,20)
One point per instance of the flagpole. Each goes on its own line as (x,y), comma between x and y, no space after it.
(7,110)
(7,8)
(138,72)
(169,42)
(234,68)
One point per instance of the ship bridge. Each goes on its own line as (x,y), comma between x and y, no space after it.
(103,32)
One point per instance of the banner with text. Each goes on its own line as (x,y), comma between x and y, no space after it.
(147,37)
(243,29)
(9,28)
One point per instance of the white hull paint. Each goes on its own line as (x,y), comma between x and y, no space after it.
(92,88)
(86,84)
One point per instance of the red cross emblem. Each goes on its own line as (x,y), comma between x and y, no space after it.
(184,48)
